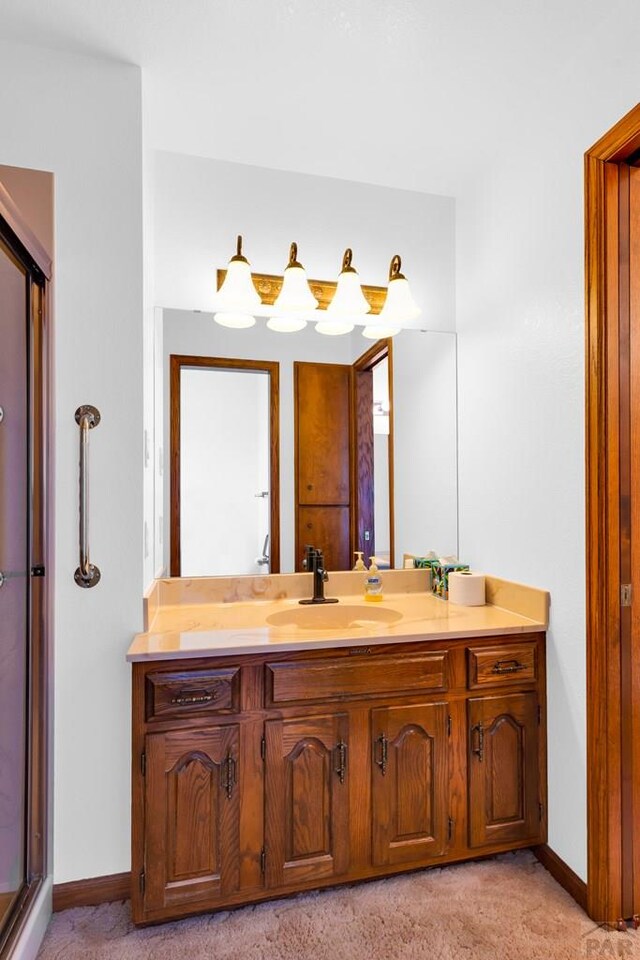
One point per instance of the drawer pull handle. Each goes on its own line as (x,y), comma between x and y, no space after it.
(508,666)
(477,741)
(188,698)
(341,769)
(229,775)
(382,755)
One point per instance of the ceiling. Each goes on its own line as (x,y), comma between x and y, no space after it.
(405,93)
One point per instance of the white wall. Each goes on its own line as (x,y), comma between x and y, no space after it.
(224,461)
(88,133)
(201,204)
(425,442)
(521,371)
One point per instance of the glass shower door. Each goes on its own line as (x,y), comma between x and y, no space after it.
(14,576)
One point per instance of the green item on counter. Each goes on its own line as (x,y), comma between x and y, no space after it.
(440,577)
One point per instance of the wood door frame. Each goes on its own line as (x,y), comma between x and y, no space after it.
(380,350)
(272,367)
(610,838)
(18,236)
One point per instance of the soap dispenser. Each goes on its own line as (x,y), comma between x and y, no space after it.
(373,583)
(359,564)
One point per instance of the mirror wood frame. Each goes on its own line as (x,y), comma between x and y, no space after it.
(272,367)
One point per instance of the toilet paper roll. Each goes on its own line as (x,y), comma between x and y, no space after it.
(466,588)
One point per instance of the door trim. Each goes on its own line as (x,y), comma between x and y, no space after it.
(608,708)
(17,235)
(380,350)
(272,367)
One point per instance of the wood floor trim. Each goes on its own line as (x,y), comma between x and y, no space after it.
(91,892)
(562,873)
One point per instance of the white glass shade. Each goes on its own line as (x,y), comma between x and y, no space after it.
(237,321)
(295,295)
(237,293)
(399,306)
(286,324)
(334,328)
(379,331)
(348,300)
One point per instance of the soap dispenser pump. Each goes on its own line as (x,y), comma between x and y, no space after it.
(359,564)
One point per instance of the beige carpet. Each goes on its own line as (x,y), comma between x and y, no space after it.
(504,909)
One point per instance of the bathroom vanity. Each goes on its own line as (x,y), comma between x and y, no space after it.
(274,753)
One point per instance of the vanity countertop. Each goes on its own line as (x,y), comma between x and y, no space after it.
(202,627)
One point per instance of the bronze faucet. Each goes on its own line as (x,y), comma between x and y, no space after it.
(314,563)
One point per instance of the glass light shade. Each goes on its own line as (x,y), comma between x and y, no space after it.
(237,293)
(399,306)
(379,331)
(348,300)
(334,328)
(237,321)
(295,295)
(286,324)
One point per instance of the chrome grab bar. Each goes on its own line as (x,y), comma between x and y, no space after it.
(87,575)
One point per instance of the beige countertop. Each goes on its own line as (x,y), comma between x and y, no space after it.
(195,626)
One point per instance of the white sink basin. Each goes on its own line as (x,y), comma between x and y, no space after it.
(332,616)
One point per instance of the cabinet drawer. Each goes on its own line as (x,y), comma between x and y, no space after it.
(181,693)
(327,679)
(509,663)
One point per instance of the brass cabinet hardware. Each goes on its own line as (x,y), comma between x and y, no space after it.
(263,860)
(341,769)
(477,741)
(229,775)
(508,666)
(206,696)
(382,758)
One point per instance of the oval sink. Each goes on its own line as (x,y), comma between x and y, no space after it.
(334,616)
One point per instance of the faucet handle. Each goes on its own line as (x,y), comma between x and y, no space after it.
(310,554)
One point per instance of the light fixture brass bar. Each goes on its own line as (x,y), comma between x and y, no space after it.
(268,286)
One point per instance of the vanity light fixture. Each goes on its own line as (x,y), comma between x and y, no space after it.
(286,324)
(348,302)
(237,298)
(399,305)
(296,296)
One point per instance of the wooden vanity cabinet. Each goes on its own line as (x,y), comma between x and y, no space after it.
(262,775)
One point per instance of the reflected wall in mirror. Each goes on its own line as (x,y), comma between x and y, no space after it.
(367,447)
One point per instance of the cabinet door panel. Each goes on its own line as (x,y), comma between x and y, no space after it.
(307,806)
(503,769)
(192,809)
(329,529)
(410,783)
(323,406)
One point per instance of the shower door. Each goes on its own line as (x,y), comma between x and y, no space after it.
(22,665)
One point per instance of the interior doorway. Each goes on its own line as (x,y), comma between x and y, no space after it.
(612,272)
(25,270)
(225,474)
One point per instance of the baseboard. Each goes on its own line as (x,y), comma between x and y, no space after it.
(563,873)
(117,886)
(91,892)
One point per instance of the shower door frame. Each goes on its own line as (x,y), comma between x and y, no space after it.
(17,234)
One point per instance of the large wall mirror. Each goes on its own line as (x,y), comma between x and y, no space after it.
(272,441)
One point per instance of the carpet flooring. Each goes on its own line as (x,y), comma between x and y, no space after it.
(508,908)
